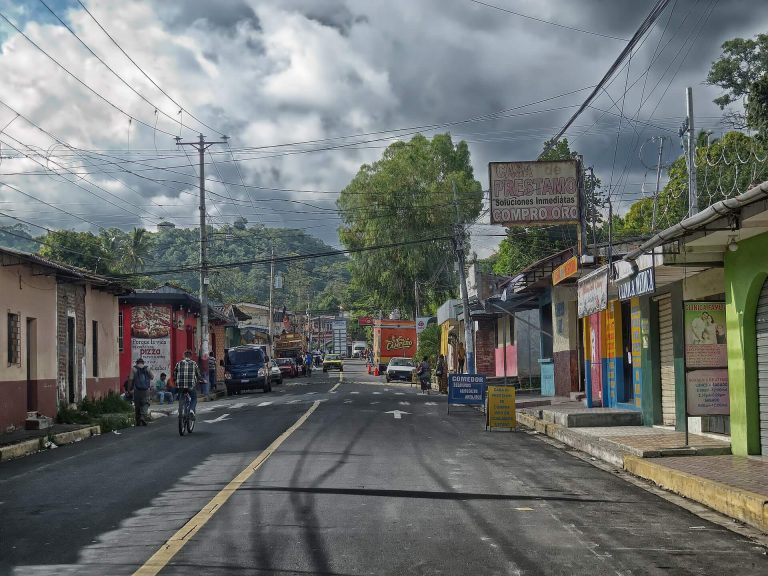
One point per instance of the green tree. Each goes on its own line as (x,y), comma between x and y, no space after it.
(80,249)
(136,249)
(742,64)
(429,344)
(408,195)
(725,168)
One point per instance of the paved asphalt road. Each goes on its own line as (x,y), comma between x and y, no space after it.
(352,490)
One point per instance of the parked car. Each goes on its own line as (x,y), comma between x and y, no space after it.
(245,368)
(288,367)
(275,372)
(400,368)
(333,362)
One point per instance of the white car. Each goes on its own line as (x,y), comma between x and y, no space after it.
(400,369)
(274,371)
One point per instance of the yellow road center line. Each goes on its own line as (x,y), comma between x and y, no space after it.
(175,543)
(334,388)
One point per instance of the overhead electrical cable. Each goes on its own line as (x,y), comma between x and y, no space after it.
(147,76)
(656,11)
(549,21)
(79,81)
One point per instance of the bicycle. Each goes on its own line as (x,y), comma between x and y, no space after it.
(186,416)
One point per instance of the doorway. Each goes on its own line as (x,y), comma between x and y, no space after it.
(71,364)
(627,392)
(31,358)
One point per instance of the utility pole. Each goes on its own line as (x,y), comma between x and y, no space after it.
(201,146)
(693,199)
(416,297)
(458,244)
(593,209)
(658,181)
(270,325)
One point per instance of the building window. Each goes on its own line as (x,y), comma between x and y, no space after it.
(95,342)
(14,339)
(120,331)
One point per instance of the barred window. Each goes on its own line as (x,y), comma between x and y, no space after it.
(95,342)
(120,331)
(14,339)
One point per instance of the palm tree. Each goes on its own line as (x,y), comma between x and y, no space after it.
(137,249)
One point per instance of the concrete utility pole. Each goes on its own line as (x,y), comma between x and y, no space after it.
(458,244)
(693,198)
(658,182)
(201,146)
(270,328)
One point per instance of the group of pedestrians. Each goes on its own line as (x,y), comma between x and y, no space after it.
(139,385)
(424,372)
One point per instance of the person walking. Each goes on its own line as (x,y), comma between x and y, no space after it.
(461,357)
(186,375)
(441,371)
(424,373)
(139,383)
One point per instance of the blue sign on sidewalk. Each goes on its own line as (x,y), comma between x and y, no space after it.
(466,389)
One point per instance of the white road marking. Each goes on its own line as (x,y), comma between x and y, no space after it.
(347,401)
(404,403)
(399,393)
(264,404)
(397,413)
(238,405)
(308,393)
(333,390)
(430,403)
(219,419)
(377,392)
(372,403)
(524,509)
(354,392)
(293,401)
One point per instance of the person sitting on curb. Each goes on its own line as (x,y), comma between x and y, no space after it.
(162,389)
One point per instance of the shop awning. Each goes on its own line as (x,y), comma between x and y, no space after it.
(508,302)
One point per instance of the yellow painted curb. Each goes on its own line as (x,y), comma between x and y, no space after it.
(743,505)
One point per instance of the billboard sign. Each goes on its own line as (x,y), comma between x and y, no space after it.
(707,392)
(365,321)
(525,193)
(151,337)
(705,345)
(421,323)
(593,292)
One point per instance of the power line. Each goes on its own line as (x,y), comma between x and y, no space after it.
(76,78)
(549,21)
(638,35)
(144,73)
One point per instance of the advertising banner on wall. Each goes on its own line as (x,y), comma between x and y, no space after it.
(707,392)
(592,292)
(705,345)
(525,193)
(151,337)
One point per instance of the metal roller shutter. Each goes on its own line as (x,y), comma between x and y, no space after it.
(667,361)
(761,327)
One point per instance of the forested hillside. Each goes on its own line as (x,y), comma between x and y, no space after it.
(141,258)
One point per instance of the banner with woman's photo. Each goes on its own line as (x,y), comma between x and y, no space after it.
(705,347)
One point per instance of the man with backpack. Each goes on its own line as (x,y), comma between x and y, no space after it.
(139,383)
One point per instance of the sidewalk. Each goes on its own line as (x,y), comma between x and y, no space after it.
(22,442)
(704,471)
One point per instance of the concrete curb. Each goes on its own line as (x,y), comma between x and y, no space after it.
(607,451)
(743,505)
(36,444)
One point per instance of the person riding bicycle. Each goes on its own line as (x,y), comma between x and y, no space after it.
(187,374)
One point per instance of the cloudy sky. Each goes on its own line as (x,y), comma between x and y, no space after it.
(308,90)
